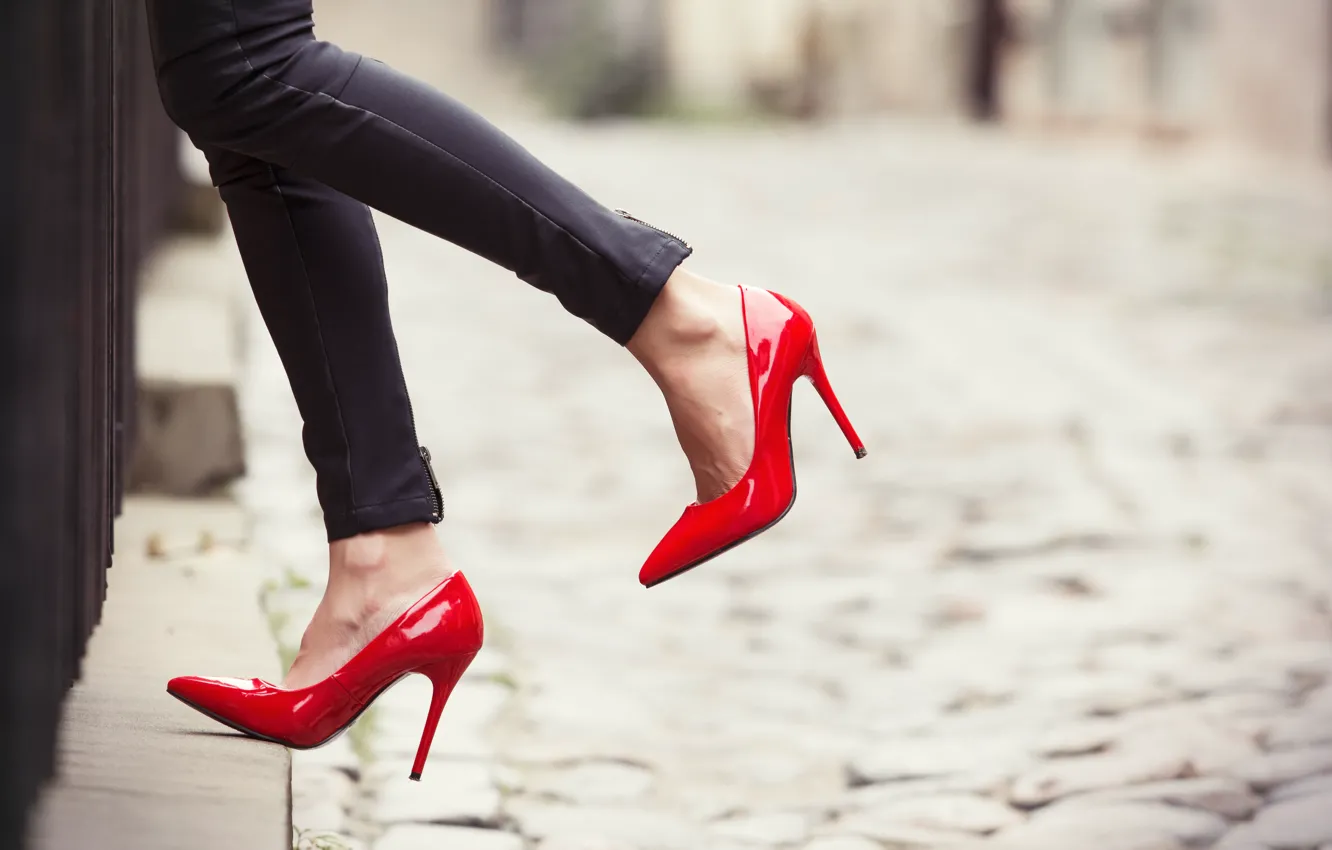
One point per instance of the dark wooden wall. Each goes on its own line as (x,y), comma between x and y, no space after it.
(88,178)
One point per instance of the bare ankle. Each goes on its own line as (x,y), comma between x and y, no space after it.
(364,553)
(390,558)
(690,313)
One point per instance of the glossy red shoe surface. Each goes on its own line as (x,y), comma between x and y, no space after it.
(781,348)
(438,637)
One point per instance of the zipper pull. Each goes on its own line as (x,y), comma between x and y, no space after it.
(436,495)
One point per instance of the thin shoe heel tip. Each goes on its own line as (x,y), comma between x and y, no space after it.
(415,777)
(860,453)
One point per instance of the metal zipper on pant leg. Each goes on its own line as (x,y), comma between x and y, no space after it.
(436,495)
(623,214)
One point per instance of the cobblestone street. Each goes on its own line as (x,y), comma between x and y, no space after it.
(1077,596)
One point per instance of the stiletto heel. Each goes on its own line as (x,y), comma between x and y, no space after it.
(782,347)
(438,637)
(819,378)
(444,677)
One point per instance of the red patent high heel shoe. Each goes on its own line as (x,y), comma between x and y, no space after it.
(782,347)
(438,637)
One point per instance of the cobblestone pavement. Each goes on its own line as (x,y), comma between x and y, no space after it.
(1077,596)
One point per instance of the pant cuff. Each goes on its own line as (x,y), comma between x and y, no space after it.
(654,277)
(376,517)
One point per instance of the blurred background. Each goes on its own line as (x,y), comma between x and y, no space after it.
(1071,262)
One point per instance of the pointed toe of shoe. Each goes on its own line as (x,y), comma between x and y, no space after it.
(184,686)
(654,570)
(674,555)
(705,531)
(212,691)
(246,705)
(669,557)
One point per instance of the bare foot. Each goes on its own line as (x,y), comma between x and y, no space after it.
(372,579)
(693,344)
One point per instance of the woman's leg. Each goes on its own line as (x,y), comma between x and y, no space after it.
(249,76)
(313,260)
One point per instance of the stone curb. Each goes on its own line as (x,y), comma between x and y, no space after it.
(137,769)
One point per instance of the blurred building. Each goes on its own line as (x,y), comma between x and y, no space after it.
(1258,74)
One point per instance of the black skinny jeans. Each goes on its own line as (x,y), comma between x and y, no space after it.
(300,137)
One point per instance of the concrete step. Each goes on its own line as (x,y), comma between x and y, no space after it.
(191,312)
(139,770)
